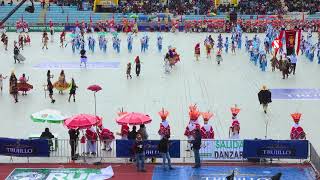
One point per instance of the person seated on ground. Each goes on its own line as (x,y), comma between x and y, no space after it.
(47,135)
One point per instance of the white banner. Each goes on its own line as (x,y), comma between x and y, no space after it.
(226,150)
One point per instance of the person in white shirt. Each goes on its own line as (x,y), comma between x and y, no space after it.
(1,81)
(293,60)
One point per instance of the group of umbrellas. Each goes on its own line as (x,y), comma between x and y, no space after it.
(83,121)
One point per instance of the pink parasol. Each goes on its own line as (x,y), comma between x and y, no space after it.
(83,121)
(134,118)
(94,88)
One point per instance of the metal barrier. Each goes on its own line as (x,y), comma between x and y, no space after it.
(314,158)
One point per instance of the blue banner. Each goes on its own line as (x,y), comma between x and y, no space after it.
(286,149)
(24,148)
(124,148)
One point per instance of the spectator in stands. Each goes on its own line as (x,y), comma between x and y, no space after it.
(143,132)
(196,145)
(11,2)
(2,3)
(47,135)
(139,152)
(133,133)
(163,148)
(74,138)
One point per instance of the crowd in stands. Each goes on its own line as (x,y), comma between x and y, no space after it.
(203,7)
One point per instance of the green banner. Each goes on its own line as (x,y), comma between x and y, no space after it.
(53,174)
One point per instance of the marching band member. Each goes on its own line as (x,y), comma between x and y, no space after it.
(164,130)
(207,130)
(234,129)
(297,132)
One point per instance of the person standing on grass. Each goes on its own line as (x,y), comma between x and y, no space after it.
(196,145)
(73,91)
(139,152)
(264,98)
(163,148)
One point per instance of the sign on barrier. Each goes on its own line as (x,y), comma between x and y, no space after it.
(124,148)
(286,149)
(24,148)
(221,150)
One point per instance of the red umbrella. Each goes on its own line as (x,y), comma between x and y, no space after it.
(134,118)
(83,121)
(94,88)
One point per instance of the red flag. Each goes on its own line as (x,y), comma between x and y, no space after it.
(299,41)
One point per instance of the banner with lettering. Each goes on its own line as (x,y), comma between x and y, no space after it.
(226,150)
(290,41)
(24,147)
(124,148)
(286,149)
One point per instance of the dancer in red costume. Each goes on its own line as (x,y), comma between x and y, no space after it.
(193,123)
(297,132)
(164,130)
(207,130)
(106,136)
(234,129)
(197,51)
(92,138)
(124,128)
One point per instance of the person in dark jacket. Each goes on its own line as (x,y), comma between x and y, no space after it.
(163,148)
(47,135)
(74,138)
(139,151)
(133,133)
(196,145)
(264,98)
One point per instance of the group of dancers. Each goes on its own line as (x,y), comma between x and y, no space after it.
(22,85)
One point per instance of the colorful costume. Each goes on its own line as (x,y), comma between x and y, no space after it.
(193,123)
(234,129)
(23,85)
(124,128)
(197,51)
(164,130)
(92,137)
(106,136)
(297,132)
(61,84)
(207,130)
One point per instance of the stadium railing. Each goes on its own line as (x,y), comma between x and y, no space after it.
(314,158)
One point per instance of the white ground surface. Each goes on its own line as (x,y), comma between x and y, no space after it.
(212,87)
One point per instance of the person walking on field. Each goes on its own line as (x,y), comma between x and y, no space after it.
(264,98)
(73,91)
(138,65)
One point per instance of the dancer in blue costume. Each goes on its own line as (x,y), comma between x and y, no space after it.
(311,53)
(246,44)
(118,41)
(239,36)
(267,45)
(100,40)
(219,44)
(255,55)
(91,43)
(318,51)
(226,45)
(73,45)
(129,41)
(147,41)
(263,61)
(143,44)
(159,42)
(104,44)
